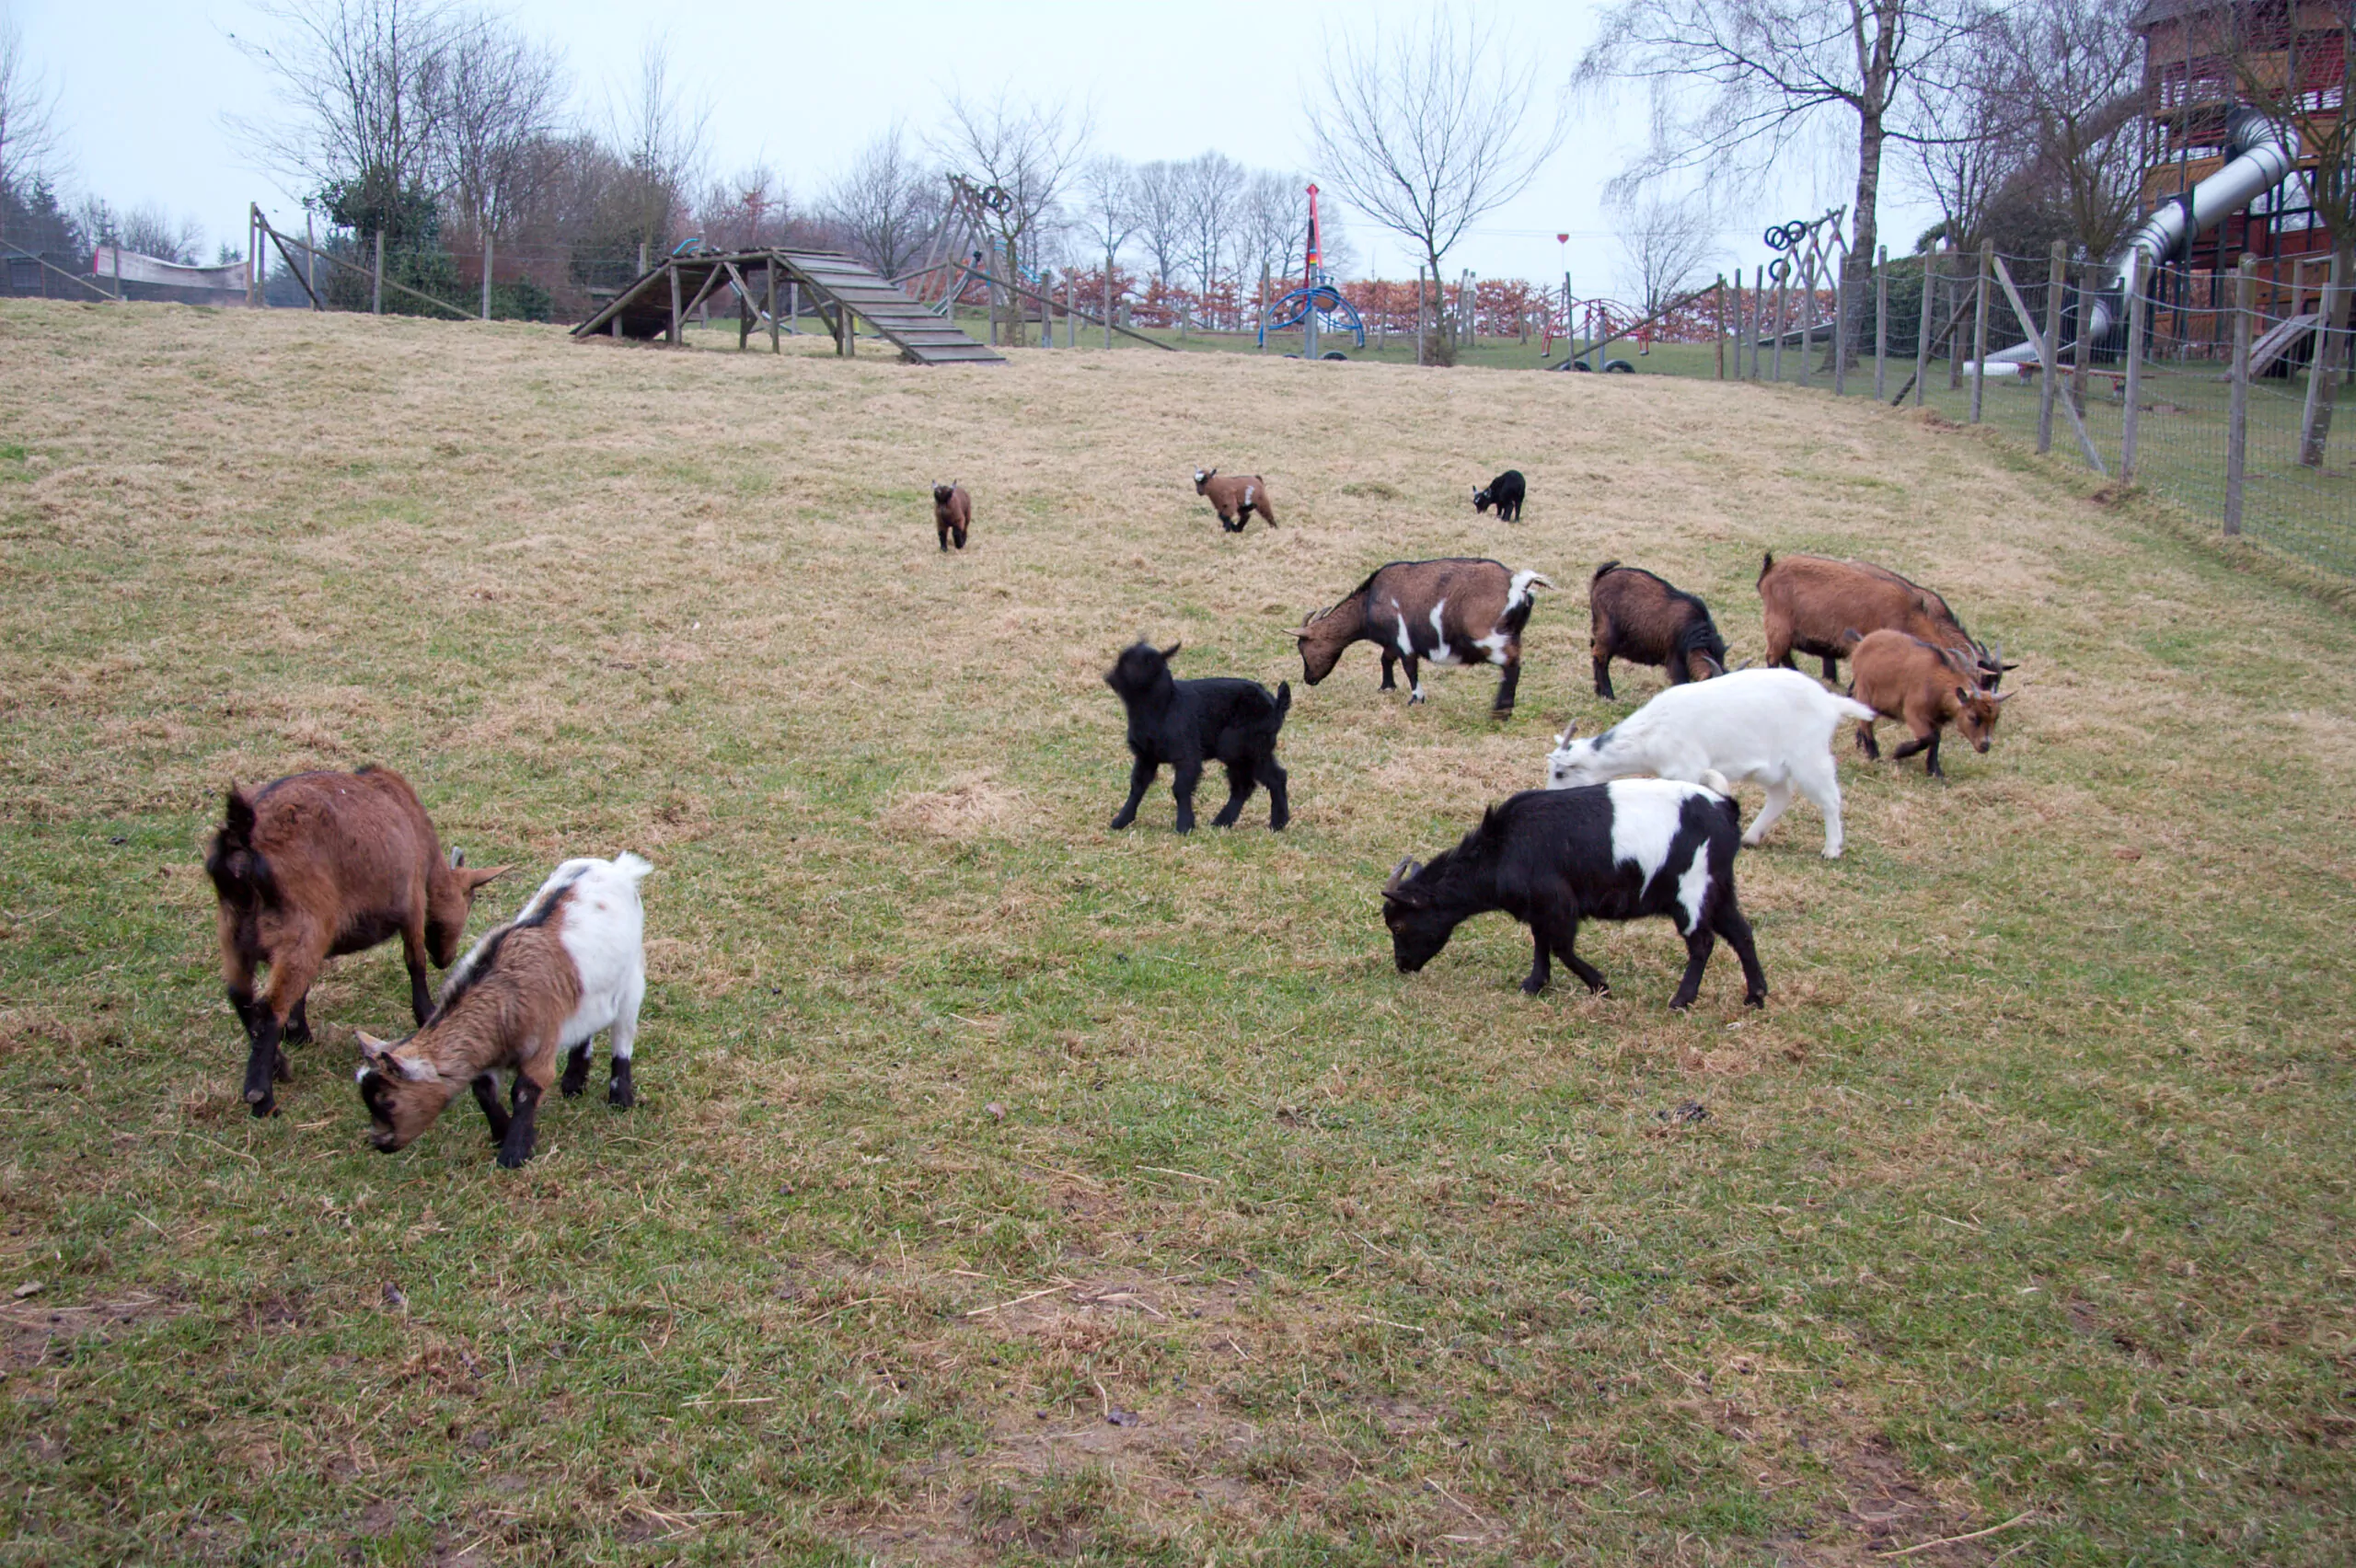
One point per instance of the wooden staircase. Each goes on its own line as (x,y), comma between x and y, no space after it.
(657,304)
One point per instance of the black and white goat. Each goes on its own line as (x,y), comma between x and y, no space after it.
(1188,723)
(1456,610)
(1505,492)
(1550,858)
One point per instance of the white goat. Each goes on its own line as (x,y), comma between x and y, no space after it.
(1773,726)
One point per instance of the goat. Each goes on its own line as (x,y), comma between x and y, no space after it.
(1187,723)
(953,512)
(1505,493)
(1925,687)
(1814,606)
(1635,615)
(312,867)
(1457,610)
(1775,726)
(1237,497)
(571,964)
(1617,851)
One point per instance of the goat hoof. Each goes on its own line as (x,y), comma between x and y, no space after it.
(1759,1001)
(620,1097)
(512,1161)
(1532,987)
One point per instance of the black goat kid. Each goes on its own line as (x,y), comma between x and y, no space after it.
(1553,858)
(1188,723)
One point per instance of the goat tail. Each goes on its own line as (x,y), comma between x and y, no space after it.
(1517,595)
(239,873)
(1608,566)
(1766,565)
(1715,782)
(633,867)
(1849,707)
(1284,706)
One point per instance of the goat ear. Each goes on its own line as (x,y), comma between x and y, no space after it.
(1965,694)
(475,879)
(457,858)
(371,1048)
(1171,652)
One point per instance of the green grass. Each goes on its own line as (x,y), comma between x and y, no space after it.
(967,1127)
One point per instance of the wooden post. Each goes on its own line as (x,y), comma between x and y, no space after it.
(1881,326)
(1931,270)
(743,319)
(376,291)
(1980,327)
(1719,329)
(2055,264)
(311,260)
(673,336)
(1808,317)
(2085,345)
(1263,308)
(768,272)
(1108,299)
(1839,331)
(2045,350)
(1046,309)
(2319,366)
(1758,312)
(1419,312)
(2130,416)
(2237,419)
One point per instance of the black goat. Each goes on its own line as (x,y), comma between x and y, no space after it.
(1553,858)
(1187,723)
(1505,493)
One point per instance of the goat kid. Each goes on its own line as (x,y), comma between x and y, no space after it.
(1926,689)
(571,964)
(317,865)
(1236,497)
(1635,615)
(1818,606)
(1456,610)
(1188,723)
(1624,850)
(1505,492)
(1773,726)
(953,512)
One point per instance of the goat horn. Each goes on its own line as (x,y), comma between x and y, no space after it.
(1398,875)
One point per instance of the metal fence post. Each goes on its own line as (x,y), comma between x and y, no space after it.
(2056,261)
(2237,421)
(1931,270)
(1979,328)
(2130,416)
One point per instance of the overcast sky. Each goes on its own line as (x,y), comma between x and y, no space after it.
(144,90)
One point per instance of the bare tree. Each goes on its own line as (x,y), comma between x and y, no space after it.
(748,211)
(1665,241)
(886,204)
(663,136)
(1736,82)
(1214,185)
(1973,143)
(2079,67)
(1273,226)
(1427,130)
(361,86)
(1162,214)
(29,139)
(500,97)
(1029,152)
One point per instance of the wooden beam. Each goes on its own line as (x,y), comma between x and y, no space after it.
(2045,357)
(275,239)
(398,288)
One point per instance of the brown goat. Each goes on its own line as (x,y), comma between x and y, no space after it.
(1925,687)
(318,865)
(1635,615)
(953,512)
(1237,497)
(1815,605)
(1457,610)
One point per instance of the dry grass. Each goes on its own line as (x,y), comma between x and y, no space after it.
(2028,1193)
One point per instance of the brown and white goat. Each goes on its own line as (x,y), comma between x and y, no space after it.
(1925,687)
(953,512)
(1456,610)
(318,865)
(1635,615)
(571,964)
(1815,605)
(1236,496)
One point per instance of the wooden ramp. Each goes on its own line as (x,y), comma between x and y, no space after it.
(840,288)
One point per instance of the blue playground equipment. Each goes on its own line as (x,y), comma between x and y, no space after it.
(1316,303)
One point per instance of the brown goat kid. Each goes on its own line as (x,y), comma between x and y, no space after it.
(1635,615)
(1817,606)
(318,865)
(1236,496)
(953,512)
(1926,689)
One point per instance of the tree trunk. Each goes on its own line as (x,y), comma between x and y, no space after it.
(2316,436)
(1014,322)
(1875,67)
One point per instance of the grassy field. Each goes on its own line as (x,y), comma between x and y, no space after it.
(1004,1190)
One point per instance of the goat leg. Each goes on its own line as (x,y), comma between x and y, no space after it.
(1831,670)
(516,1145)
(1737,931)
(1279,802)
(1184,775)
(1698,943)
(1604,677)
(262,1062)
(1389,663)
(1867,742)
(1141,774)
(1511,679)
(576,1070)
(299,1026)
(486,1088)
(1238,789)
(1541,966)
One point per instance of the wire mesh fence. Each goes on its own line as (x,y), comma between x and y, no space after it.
(2204,353)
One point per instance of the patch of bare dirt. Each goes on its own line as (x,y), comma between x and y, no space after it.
(33,1334)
